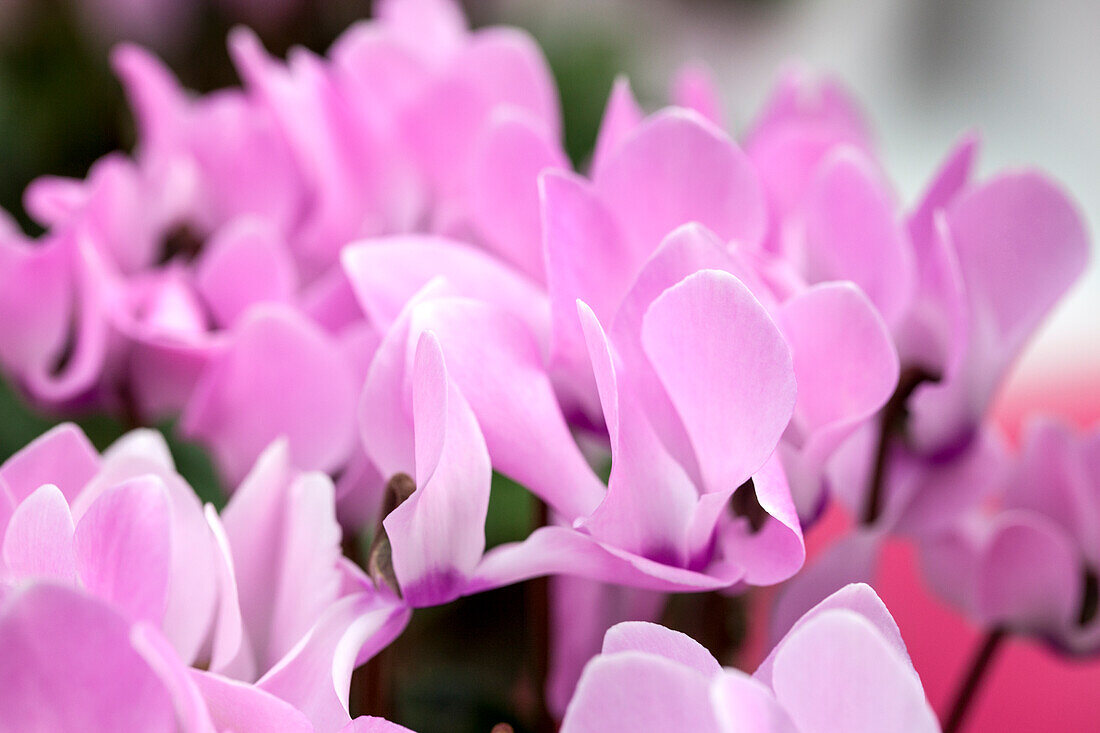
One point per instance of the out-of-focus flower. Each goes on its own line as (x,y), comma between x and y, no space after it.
(962,280)
(1025,559)
(843,666)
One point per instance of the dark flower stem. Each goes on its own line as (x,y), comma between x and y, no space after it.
(979,666)
(894,416)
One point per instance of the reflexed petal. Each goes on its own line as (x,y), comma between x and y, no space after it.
(386,272)
(845,364)
(582,611)
(36,292)
(1029,576)
(282,529)
(586,259)
(371,724)
(124,548)
(508,67)
(557,550)
(495,363)
(860,599)
(161,657)
(846,564)
(438,533)
(640,692)
(775,551)
(694,88)
(837,672)
(1021,244)
(726,369)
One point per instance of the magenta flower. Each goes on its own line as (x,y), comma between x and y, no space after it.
(842,667)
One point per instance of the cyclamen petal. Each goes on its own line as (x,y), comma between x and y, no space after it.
(62,456)
(853,233)
(437,534)
(839,666)
(507,161)
(722,360)
(123,548)
(38,541)
(280,376)
(677,168)
(51,636)
(841,649)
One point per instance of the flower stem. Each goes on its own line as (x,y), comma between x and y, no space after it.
(979,666)
(894,415)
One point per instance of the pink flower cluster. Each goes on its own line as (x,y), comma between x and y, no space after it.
(366,281)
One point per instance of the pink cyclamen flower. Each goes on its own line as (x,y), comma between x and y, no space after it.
(1025,559)
(842,667)
(654,526)
(263,604)
(601,235)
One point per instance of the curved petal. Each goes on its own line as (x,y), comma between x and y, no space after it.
(315,676)
(495,363)
(845,364)
(850,560)
(244,263)
(36,303)
(858,598)
(586,259)
(158,653)
(508,67)
(582,610)
(694,88)
(560,551)
(769,553)
(281,526)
